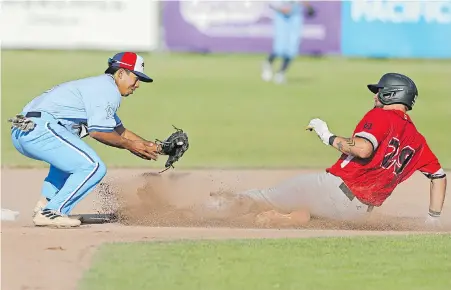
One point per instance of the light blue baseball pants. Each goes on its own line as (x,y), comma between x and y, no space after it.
(287,36)
(75,169)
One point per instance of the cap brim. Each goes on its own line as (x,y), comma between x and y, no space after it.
(142,77)
(374,88)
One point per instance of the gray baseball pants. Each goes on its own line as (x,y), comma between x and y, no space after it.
(323,194)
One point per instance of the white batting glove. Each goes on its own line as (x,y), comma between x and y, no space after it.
(321,129)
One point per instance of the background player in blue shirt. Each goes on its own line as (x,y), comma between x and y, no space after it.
(50,128)
(287,24)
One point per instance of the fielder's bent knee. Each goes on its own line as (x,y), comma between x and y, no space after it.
(96,170)
(101,170)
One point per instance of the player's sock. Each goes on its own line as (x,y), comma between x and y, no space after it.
(271,58)
(49,190)
(286,62)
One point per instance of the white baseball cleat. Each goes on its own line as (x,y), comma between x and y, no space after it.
(279,78)
(40,205)
(266,72)
(53,218)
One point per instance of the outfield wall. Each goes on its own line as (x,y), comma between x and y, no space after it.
(399,29)
(358,28)
(413,29)
(80,24)
(241,26)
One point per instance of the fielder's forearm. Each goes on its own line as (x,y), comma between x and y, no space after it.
(437,195)
(112,139)
(132,136)
(355,146)
(127,134)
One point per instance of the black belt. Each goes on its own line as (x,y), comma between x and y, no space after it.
(351,195)
(37,115)
(33,115)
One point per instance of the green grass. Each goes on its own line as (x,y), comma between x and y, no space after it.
(410,262)
(232,117)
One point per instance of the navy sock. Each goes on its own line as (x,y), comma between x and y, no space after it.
(286,62)
(271,58)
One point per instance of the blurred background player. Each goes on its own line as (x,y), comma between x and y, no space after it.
(287,24)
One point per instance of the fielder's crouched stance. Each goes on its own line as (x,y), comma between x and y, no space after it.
(50,128)
(385,150)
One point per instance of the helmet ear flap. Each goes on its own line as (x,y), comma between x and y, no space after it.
(385,95)
(389,96)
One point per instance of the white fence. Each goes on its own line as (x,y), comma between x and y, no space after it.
(78,24)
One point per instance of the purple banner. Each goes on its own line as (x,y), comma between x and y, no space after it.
(244,26)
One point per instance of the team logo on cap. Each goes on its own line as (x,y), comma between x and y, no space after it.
(132,62)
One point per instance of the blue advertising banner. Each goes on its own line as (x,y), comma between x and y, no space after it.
(403,29)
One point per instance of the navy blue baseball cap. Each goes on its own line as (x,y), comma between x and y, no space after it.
(132,62)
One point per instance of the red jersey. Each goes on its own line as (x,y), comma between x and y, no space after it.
(399,151)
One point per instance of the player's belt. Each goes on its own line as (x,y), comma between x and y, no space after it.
(33,115)
(351,195)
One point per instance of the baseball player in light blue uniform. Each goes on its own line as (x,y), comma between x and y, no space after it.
(50,128)
(287,23)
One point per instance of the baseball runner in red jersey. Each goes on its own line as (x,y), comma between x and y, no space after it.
(384,150)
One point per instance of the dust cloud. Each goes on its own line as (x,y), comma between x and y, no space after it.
(183,200)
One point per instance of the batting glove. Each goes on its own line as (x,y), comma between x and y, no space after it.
(321,129)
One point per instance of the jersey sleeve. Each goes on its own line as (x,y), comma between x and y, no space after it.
(101,114)
(118,120)
(429,164)
(374,127)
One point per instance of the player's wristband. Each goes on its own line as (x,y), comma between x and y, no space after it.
(434,213)
(332,139)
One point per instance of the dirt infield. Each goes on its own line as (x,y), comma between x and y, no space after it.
(165,207)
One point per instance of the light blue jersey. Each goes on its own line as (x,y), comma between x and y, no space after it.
(51,127)
(92,101)
(63,115)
